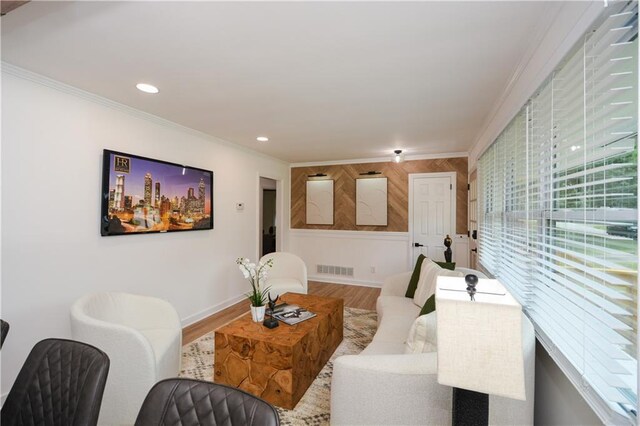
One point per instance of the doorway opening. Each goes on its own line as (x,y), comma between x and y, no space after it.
(268,215)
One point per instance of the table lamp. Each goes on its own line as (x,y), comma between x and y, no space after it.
(479,345)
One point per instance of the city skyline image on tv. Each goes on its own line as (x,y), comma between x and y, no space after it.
(141,195)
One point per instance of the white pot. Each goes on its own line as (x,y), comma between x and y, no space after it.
(257,313)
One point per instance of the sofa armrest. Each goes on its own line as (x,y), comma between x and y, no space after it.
(396,285)
(388,389)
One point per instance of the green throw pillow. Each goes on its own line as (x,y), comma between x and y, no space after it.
(447,265)
(413,282)
(429,306)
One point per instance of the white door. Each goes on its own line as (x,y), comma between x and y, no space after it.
(432,201)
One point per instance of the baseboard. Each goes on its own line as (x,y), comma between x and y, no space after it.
(192,319)
(347,281)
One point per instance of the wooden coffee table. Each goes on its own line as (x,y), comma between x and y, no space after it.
(279,364)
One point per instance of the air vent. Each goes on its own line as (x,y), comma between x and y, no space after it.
(345,271)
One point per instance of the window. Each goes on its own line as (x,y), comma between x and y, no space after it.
(559,212)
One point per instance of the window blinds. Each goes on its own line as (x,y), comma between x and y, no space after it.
(558,209)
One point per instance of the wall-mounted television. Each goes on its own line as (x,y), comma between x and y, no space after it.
(141,195)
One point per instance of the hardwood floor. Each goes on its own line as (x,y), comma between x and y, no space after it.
(354,297)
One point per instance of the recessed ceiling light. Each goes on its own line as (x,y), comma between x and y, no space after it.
(262,139)
(147,88)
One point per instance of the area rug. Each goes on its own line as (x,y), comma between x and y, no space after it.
(313,408)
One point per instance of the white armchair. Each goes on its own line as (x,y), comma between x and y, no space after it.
(142,337)
(288,274)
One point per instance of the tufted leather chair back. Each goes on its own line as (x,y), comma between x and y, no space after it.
(182,402)
(4,330)
(60,384)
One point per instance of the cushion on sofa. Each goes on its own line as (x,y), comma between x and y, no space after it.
(394,328)
(427,282)
(396,305)
(391,334)
(415,276)
(429,306)
(447,265)
(422,335)
(427,288)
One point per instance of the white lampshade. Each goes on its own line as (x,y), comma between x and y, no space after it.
(479,342)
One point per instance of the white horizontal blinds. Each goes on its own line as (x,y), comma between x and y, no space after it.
(559,188)
(488,241)
(585,273)
(608,179)
(556,304)
(503,208)
(515,251)
(491,227)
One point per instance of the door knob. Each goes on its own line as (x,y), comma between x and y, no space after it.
(474,249)
(418,245)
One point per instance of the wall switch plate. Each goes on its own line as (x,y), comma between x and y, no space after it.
(239,206)
(373,269)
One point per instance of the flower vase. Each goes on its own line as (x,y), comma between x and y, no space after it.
(257,313)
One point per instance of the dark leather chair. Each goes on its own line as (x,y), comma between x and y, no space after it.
(60,384)
(189,402)
(4,330)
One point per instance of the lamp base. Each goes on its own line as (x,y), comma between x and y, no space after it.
(469,408)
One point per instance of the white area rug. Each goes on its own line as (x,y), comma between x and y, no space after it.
(313,409)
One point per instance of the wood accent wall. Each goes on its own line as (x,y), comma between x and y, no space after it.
(397,194)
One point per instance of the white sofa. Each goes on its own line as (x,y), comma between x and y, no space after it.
(383,385)
(288,273)
(142,337)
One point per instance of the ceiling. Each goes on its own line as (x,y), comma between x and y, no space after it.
(323,80)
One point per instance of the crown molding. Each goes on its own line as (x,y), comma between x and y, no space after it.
(10,69)
(536,56)
(385,159)
(536,41)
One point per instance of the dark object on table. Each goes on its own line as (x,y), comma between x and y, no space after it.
(64,378)
(447,253)
(4,330)
(187,401)
(272,302)
(270,321)
(472,281)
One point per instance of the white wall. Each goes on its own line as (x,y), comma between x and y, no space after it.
(556,400)
(52,251)
(387,253)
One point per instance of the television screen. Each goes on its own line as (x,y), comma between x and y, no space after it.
(141,195)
